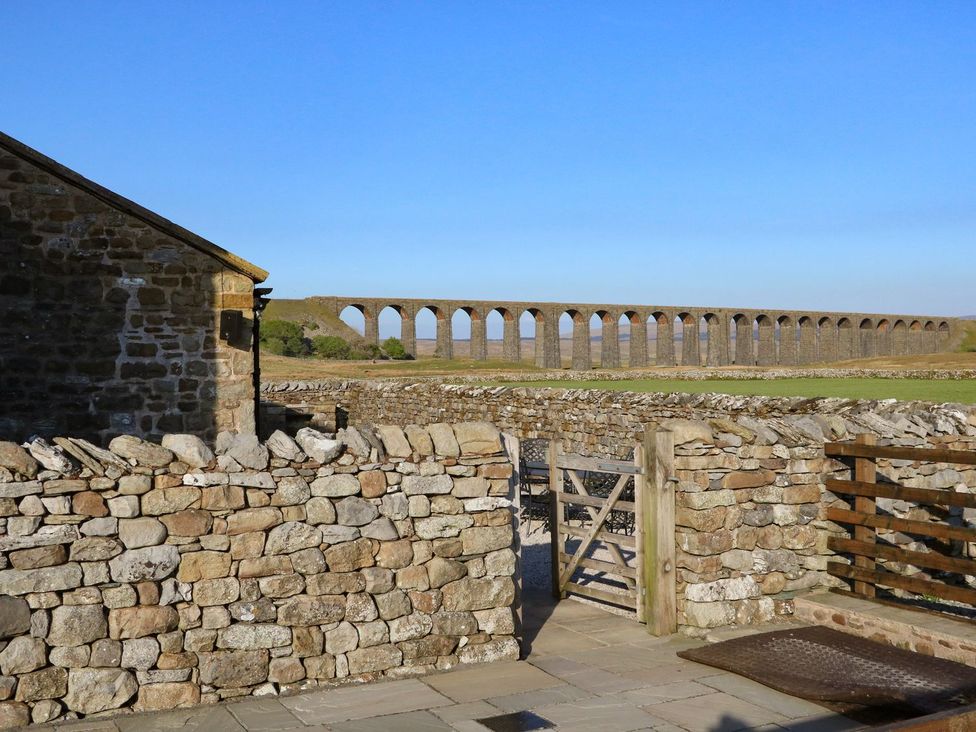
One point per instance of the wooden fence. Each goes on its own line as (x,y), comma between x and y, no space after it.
(646,584)
(864,545)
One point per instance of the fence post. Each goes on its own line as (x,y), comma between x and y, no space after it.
(657,519)
(555,517)
(640,501)
(865,471)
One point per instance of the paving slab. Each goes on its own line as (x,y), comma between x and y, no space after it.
(756,693)
(262,714)
(718,712)
(405,722)
(600,713)
(543,697)
(491,680)
(346,703)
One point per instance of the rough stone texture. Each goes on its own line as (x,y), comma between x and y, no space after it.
(186,577)
(123,309)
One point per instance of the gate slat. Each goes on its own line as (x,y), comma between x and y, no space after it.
(592,532)
(612,548)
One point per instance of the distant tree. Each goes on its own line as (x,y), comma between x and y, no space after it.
(365,352)
(330,347)
(393,348)
(283,338)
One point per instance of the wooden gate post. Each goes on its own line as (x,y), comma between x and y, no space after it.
(657,532)
(866,471)
(555,517)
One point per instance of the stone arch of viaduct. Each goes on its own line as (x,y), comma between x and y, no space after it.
(684,335)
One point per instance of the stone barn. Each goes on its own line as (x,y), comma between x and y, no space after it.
(112,319)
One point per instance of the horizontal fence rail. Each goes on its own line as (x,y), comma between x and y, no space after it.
(939,535)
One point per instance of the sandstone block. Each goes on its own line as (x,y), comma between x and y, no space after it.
(408,627)
(191,522)
(393,604)
(355,511)
(140,653)
(441,571)
(17,460)
(46,579)
(478,594)
(419,440)
(394,441)
(23,655)
(14,714)
(292,491)
(141,621)
(49,683)
(161,501)
(415,485)
(15,616)
(335,486)
(42,556)
(435,527)
(305,610)
(247,451)
(381,529)
(150,563)
(376,658)
(248,637)
(220,591)
(141,532)
(470,487)
(478,438)
(395,506)
(253,519)
(234,669)
(282,446)
(189,449)
(320,667)
(93,690)
(483,539)
(354,442)
(285,670)
(195,566)
(350,556)
(499,649)
(318,446)
(167,695)
(265,567)
(75,625)
(341,639)
(292,536)
(372,483)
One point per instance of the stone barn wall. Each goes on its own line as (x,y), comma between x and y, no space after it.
(110,314)
(154,577)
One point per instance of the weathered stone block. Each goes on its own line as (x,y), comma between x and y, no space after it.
(234,669)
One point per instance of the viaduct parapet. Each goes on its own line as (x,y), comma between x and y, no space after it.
(684,335)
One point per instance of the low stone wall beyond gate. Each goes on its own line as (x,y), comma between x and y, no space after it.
(153,577)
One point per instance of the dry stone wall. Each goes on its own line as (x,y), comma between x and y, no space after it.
(153,576)
(751,528)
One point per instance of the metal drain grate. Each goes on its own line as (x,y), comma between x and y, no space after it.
(827,665)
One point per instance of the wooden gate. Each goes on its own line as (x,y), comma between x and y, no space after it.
(625,554)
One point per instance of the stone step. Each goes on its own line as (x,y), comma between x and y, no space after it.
(929,633)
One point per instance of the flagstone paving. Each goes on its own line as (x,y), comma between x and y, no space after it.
(585,670)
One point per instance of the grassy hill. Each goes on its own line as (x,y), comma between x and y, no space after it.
(313,315)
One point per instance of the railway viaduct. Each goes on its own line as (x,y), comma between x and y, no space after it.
(684,335)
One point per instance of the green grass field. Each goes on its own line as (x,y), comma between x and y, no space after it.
(931,390)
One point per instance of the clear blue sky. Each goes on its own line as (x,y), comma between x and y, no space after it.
(798,155)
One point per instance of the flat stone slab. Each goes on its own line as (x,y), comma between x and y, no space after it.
(360,702)
(496,679)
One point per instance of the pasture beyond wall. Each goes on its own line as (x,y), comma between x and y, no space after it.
(155,577)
